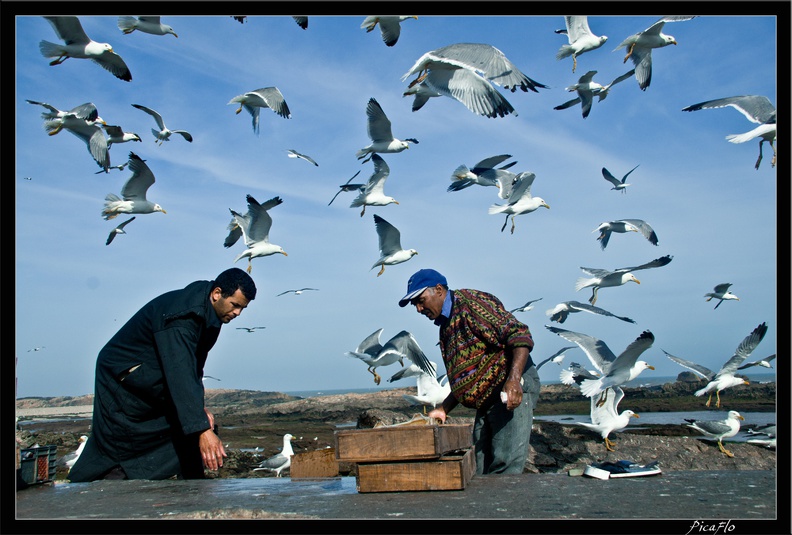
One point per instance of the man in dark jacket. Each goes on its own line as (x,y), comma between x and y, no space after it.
(149,419)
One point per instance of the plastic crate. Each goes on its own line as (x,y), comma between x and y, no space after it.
(38,465)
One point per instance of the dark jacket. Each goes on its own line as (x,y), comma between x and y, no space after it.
(149,396)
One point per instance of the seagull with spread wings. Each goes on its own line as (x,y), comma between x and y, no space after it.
(484,173)
(390,26)
(640,45)
(379,131)
(249,329)
(146,24)
(265,97)
(618,185)
(116,134)
(587,89)
(466,72)
(725,377)
(133,194)
(561,311)
(118,230)
(164,133)
(757,109)
(84,123)
(373,192)
(622,226)
(557,357)
(606,418)
(520,200)
(602,278)
(615,371)
(391,252)
(296,292)
(255,227)
(402,346)
(721,292)
(526,307)
(581,38)
(291,153)
(764,363)
(77,44)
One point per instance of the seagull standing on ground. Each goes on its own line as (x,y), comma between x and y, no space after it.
(755,108)
(639,47)
(581,39)
(266,97)
(606,418)
(373,192)
(402,345)
(719,430)
(164,133)
(725,377)
(390,26)
(379,131)
(602,278)
(151,25)
(616,371)
(722,292)
(255,226)
(391,252)
(133,194)
(280,461)
(622,226)
(618,185)
(69,459)
(118,230)
(79,45)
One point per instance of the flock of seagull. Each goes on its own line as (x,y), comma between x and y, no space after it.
(467,73)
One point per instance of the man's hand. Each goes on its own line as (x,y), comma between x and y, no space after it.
(212,450)
(513,390)
(440,414)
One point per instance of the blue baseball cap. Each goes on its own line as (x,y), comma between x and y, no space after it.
(420,281)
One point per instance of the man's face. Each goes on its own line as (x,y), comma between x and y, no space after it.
(430,302)
(228,308)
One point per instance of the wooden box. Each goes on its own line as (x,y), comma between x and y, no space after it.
(449,472)
(318,463)
(401,443)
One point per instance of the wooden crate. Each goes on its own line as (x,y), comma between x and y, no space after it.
(401,443)
(318,463)
(449,472)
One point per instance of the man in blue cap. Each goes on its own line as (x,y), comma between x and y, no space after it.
(486,352)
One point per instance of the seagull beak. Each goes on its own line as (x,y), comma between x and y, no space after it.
(164,212)
(546,205)
(283,253)
(650,367)
(741,418)
(636,281)
(635,416)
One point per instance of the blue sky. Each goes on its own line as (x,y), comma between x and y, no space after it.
(712,211)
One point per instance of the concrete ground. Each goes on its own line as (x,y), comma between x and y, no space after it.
(684,502)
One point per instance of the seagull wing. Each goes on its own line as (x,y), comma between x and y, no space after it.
(610,178)
(657,262)
(141,180)
(698,369)
(260,220)
(379,126)
(274,100)
(644,228)
(376,182)
(522,187)
(69,29)
(745,348)
(371,344)
(757,109)
(596,350)
(389,236)
(489,163)
(405,344)
(157,116)
(585,307)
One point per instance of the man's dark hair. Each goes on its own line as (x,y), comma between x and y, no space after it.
(233,279)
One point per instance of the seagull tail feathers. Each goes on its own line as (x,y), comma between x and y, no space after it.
(50,50)
(590,387)
(564,52)
(497,208)
(581,283)
(126,24)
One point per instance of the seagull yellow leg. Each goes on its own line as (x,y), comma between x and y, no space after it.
(724,450)
(377,378)
(709,400)
(381,271)
(250,266)
(717,395)
(629,53)
(574,62)
(239,110)
(609,445)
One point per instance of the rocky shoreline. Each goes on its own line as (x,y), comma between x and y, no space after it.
(253,423)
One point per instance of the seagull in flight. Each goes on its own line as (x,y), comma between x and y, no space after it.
(296,292)
(294,154)
(373,192)
(622,226)
(640,45)
(615,371)
(557,357)
(391,251)
(380,133)
(520,200)
(606,418)
(764,363)
(255,227)
(118,230)
(721,292)
(581,39)
(402,346)
(561,311)
(725,377)
(757,109)
(587,89)
(485,174)
(249,329)
(265,97)
(133,194)
(602,278)
(390,26)
(148,24)
(526,307)
(618,184)
(77,44)
(164,133)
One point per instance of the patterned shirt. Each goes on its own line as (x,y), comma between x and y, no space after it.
(476,342)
